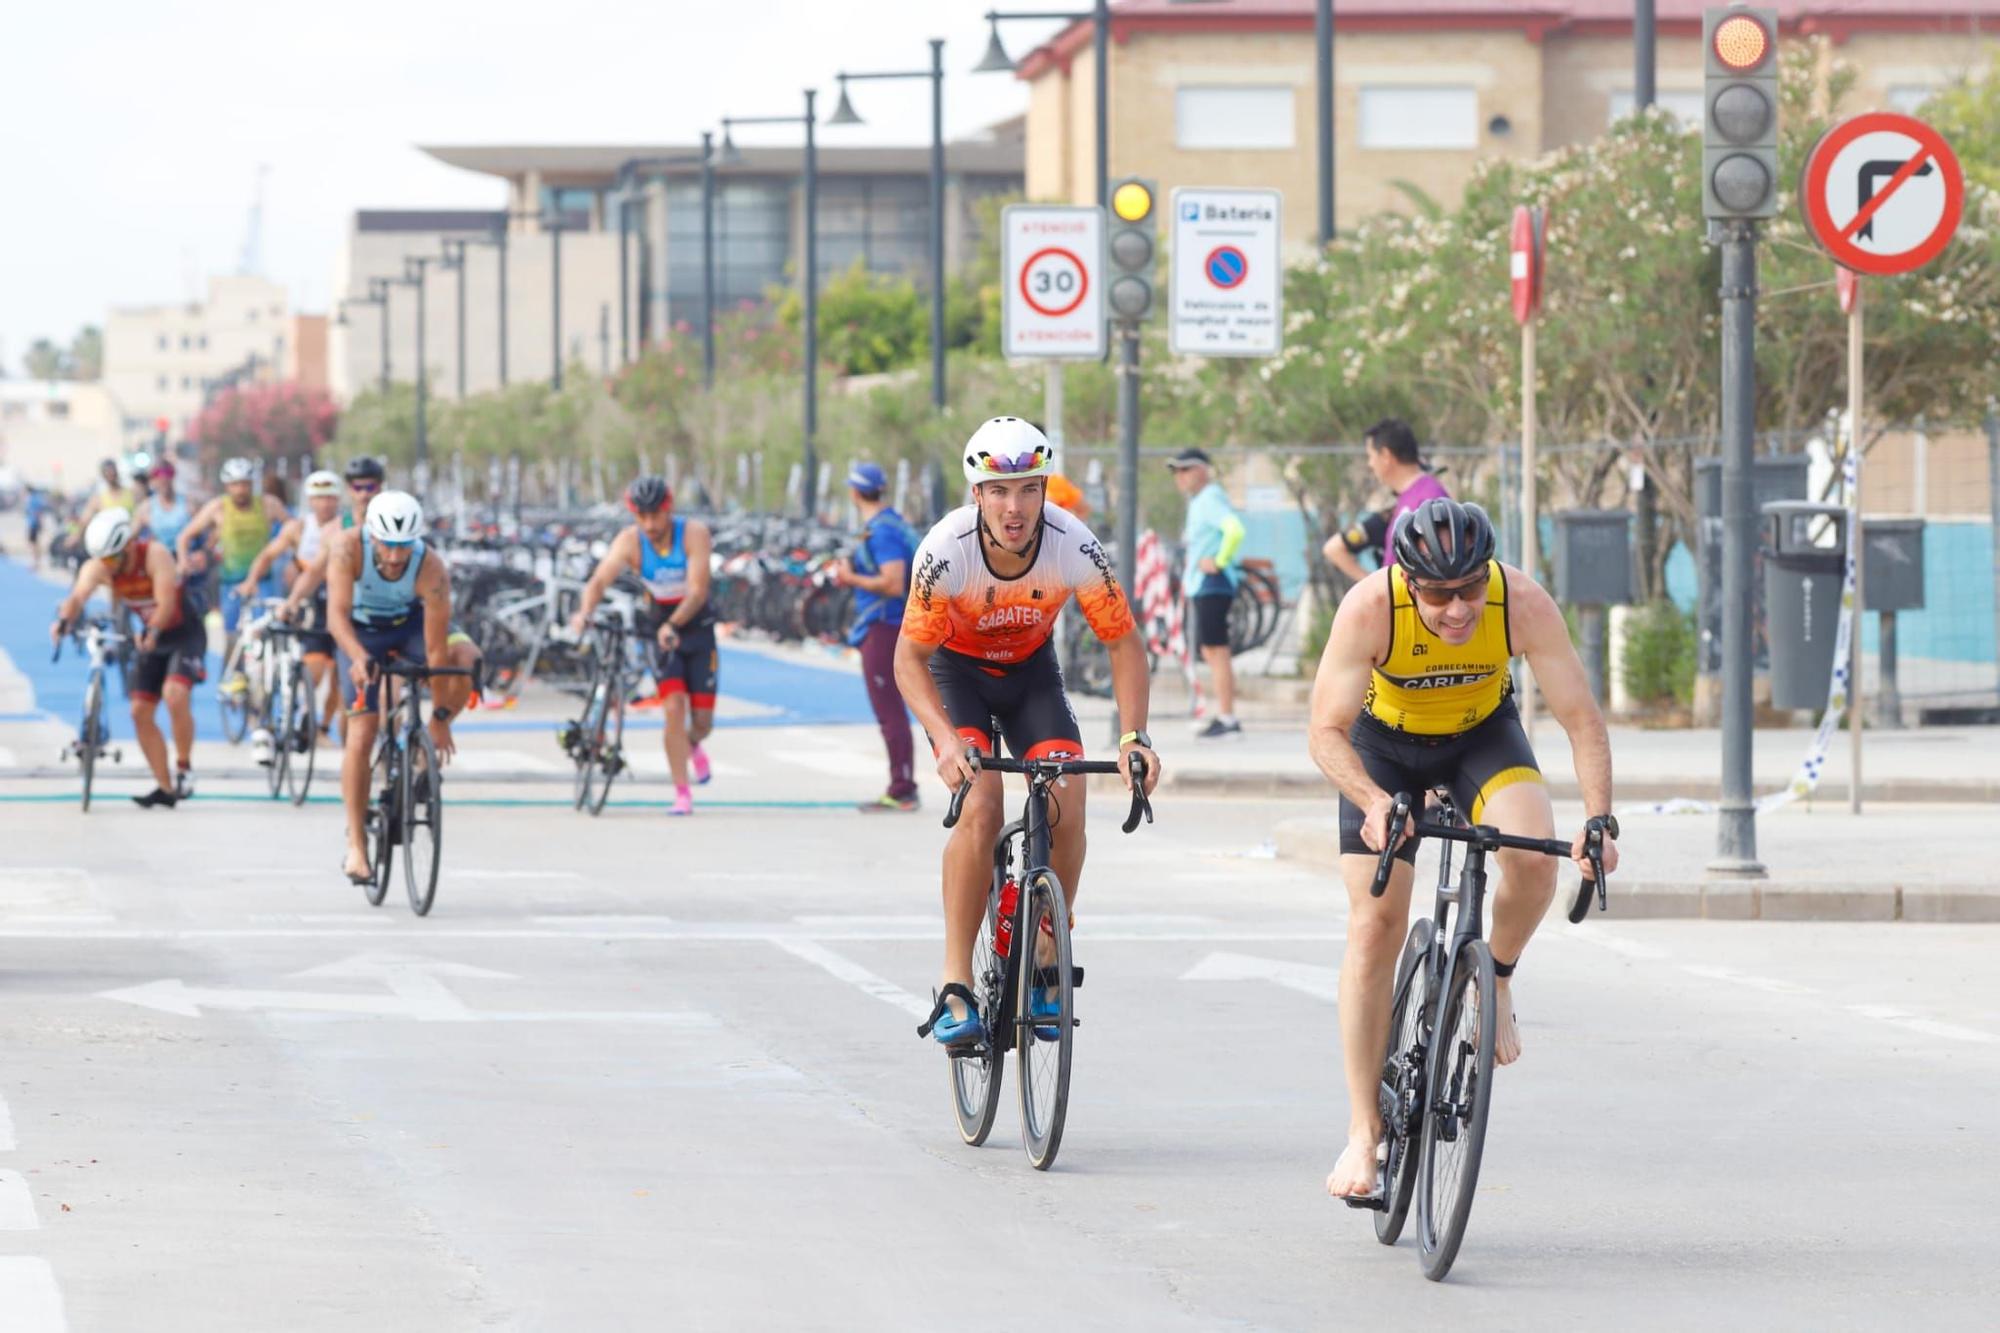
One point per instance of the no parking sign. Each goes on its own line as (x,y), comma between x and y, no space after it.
(1228,275)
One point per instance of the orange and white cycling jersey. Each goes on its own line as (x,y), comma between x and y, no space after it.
(959,603)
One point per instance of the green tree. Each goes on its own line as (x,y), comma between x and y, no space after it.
(868,322)
(86,354)
(45,361)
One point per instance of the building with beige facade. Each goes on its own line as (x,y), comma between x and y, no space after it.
(1222,94)
(56,433)
(162,361)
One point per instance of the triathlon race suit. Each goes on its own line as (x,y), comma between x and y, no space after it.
(995,664)
(388,618)
(314,640)
(167,520)
(1438,714)
(240,535)
(181,650)
(690,667)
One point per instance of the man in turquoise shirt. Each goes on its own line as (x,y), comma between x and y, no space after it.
(1213,534)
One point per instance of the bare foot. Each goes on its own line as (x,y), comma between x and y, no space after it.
(1359,1170)
(1506,1033)
(357,864)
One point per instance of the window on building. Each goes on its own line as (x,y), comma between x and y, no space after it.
(1907,97)
(163,384)
(573,205)
(1248,117)
(58,410)
(187,382)
(185,343)
(163,342)
(1685,103)
(202,342)
(1436,116)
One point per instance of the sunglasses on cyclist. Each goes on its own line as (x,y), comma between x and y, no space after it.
(1444,594)
(364,487)
(1007,467)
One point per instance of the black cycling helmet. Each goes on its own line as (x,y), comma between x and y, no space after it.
(1443,541)
(648,495)
(365,468)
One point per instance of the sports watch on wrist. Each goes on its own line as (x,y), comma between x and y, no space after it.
(1609,823)
(1141,738)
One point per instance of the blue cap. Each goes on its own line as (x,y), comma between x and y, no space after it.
(867,477)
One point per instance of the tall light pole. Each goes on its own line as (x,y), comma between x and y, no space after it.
(809,285)
(844,114)
(1323,113)
(996,61)
(555,225)
(703,159)
(454,258)
(413,275)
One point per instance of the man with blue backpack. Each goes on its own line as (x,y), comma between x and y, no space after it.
(879,573)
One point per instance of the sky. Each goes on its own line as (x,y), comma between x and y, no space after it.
(132,132)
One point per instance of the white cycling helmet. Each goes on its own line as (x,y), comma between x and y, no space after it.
(109,533)
(395,517)
(322,483)
(237,469)
(1008,449)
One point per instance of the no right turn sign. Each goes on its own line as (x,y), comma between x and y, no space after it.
(1883,193)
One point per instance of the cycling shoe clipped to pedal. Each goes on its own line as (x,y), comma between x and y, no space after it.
(948,1030)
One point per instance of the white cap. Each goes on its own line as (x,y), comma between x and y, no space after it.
(322,483)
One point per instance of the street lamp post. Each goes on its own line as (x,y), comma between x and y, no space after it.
(844,114)
(413,276)
(705,159)
(454,258)
(996,60)
(809,285)
(378,296)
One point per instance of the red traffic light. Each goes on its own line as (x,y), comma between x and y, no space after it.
(160,424)
(1741,42)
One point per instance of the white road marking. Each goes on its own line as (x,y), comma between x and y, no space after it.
(856,975)
(692,932)
(414,981)
(1771,984)
(29,1296)
(173,996)
(835,763)
(455,873)
(6,1128)
(1614,943)
(1322,983)
(1930,1027)
(17,1205)
(601,919)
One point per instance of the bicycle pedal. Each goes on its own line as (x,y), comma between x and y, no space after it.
(1046,976)
(1375,1203)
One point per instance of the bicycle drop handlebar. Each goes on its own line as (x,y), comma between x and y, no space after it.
(1055,768)
(1490,839)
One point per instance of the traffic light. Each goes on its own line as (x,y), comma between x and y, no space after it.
(1132,245)
(1739,124)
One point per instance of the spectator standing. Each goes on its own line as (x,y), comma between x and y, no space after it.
(1212,536)
(879,573)
(1393,458)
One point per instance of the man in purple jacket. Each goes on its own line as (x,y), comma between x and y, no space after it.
(1392,457)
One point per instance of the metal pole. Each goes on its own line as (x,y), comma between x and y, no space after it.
(810,489)
(1993,502)
(1736,829)
(384,308)
(1323,97)
(624,284)
(937,224)
(1101,25)
(1128,465)
(1052,404)
(500,248)
(1590,628)
(709,263)
(604,339)
(423,403)
(1530,555)
(1857,546)
(555,313)
(461,321)
(1644,31)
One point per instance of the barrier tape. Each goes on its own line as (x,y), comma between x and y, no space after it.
(1812,767)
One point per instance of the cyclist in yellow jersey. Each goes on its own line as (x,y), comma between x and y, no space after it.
(1414,691)
(244,522)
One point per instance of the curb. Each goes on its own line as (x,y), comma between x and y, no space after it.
(1316,842)
(1299,785)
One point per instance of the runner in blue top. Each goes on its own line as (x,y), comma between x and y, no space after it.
(1212,534)
(879,573)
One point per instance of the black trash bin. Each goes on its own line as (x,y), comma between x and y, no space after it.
(1805,563)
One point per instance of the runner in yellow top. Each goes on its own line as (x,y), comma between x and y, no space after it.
(1414,692)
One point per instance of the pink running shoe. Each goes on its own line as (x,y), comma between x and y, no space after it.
(698,761)
(683,802)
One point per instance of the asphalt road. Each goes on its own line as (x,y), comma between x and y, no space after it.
(636,1073)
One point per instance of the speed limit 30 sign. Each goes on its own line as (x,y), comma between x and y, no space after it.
(1051,267)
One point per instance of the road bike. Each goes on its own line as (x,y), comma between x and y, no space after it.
(406,789)
(595,741)
(103,646)
(1435,1093)
(252,662)
(1027,915)
(294,716)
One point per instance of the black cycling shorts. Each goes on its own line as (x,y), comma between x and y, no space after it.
(1472,764)
(182,655)
(691,667)
(1024,704)
(1211,618)
(315,640)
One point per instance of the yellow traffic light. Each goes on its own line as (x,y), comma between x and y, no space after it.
(1132,202)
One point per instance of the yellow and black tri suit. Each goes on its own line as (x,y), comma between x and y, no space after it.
(1441,714)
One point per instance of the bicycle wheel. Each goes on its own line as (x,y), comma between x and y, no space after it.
(423,810)
(1044,1060)
(975,1074)
(235,705)
(1459,1094)
(588,728)
(301,734)
(1401,1090)
(91,734)
(608,745)
(278,719)
(384,815)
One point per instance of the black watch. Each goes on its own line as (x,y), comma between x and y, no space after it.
(1609,823)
